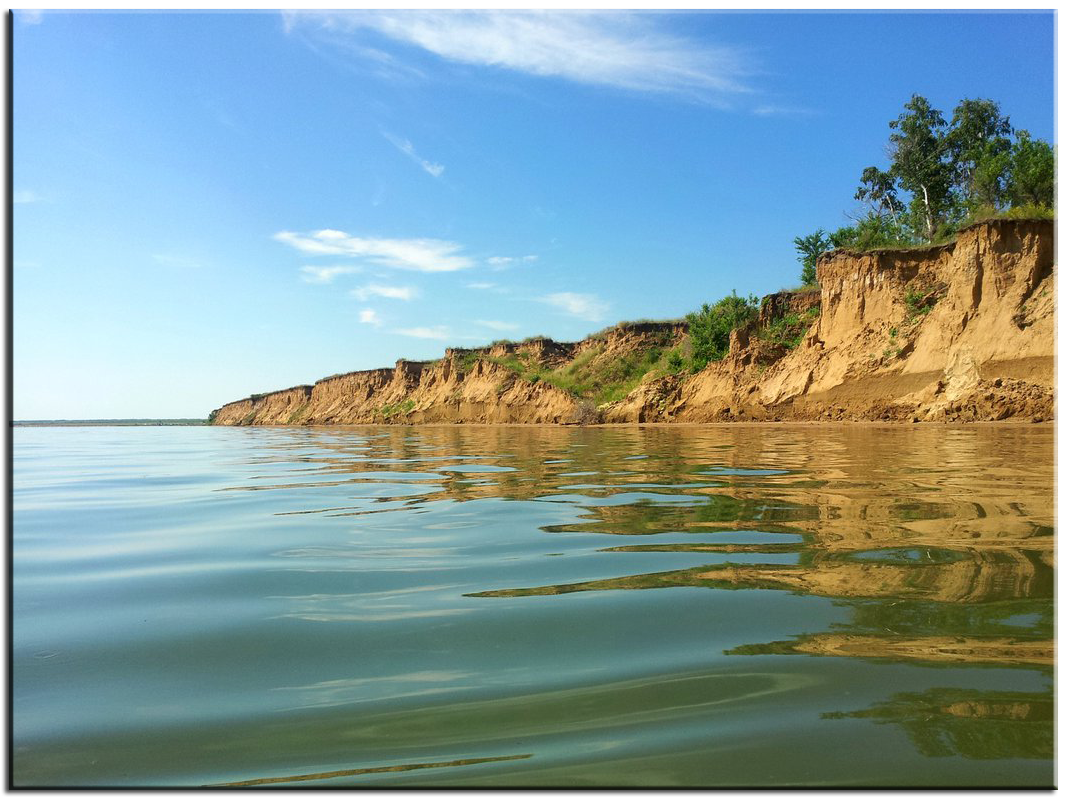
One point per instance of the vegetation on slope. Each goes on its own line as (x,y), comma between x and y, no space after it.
(599,375)
(595,374)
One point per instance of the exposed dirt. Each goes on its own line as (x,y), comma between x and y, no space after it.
(961,332)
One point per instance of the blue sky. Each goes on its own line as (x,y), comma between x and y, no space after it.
(208,205)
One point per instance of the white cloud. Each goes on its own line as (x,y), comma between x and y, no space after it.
(25,196)
(405,146)
(480,285)
(768,110)
(499,262)
(421,255)
(437,332)
(622,50)
(30,16)
(325,274)
(370,317)
(498,326)
(585,306)
(392,292)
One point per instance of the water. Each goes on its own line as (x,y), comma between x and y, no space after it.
(510,606)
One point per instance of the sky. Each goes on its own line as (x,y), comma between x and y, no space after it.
(210,205)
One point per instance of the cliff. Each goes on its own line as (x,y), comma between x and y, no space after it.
(958,332)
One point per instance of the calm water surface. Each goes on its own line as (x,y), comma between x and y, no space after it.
(508,606)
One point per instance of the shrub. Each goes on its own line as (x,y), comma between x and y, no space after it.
(709,328)
(675,361)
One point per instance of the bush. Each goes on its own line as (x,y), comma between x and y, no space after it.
(675,361)
(870,233)
(1030,211)
(709,328)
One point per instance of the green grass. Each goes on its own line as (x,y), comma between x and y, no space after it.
(391,410)
(592,377)
(788,331)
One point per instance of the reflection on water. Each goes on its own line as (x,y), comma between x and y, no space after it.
(254,606)
(947,722)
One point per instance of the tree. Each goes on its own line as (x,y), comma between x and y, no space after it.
(878,190)
(918,160)
(809,248)
(1031,178)
(979,151)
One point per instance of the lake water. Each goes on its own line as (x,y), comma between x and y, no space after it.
(533,606)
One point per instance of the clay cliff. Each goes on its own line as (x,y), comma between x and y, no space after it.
(958,332)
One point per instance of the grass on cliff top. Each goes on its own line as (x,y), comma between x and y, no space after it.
(594,375)
(598,376)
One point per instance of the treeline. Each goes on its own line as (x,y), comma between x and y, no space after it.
(943,175)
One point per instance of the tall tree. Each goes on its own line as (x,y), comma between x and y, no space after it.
(978,146)
(919,148)
(878,190)
(1032,172)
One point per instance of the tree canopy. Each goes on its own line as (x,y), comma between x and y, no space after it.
(942,175)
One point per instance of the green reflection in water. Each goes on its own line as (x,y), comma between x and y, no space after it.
(945,722)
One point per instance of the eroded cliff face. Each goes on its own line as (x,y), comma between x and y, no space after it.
(959,332)
(411,393)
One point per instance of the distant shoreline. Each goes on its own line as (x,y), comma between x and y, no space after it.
(55,423)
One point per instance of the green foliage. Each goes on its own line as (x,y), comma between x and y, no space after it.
(953,174)
(675,361)
(788,331)
(919,302)
(709,328)
(919,146)
(466,361)
(870,233)
(1032,173)
(391,410)
(809,248)
(1030,211)
(878,190)
(978,150)
(212,417)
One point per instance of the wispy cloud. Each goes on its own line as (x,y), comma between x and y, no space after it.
(421,255)
(30,16)
(585,306)
(25,196)
(770,110)
(502,262)
(326,274)
(436,332)
(496,325)
(377,290)
(370,317)
(621,50)
(488,286)
(405,147)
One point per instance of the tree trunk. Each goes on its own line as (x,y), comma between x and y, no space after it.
(928,214)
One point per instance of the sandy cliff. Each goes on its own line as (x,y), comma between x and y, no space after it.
(958,332)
